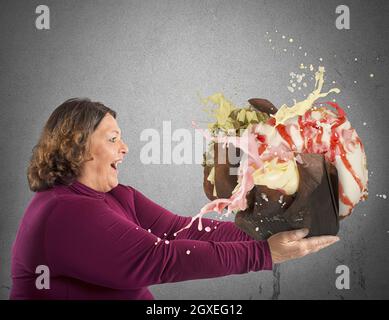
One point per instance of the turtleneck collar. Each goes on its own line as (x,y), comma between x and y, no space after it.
(81,188)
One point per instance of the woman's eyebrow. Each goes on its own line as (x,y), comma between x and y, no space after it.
(115,131)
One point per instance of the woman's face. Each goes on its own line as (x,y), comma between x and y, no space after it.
(107,151)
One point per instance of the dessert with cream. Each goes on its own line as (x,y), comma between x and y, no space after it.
(274,144)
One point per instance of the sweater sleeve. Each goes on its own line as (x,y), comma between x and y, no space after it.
(165,223)
(219,231)
(98,246)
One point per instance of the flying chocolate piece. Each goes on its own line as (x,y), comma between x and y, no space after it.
(263,105)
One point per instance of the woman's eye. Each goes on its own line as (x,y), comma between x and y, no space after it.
(112,139)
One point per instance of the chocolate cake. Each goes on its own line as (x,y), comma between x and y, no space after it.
(315,205)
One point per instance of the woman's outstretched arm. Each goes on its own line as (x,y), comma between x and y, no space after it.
(93,244)
(164,223)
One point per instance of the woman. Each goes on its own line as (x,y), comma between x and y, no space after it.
(99,239)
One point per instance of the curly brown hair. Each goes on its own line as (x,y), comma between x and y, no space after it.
(63,145)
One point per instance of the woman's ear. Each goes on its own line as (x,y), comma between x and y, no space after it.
(88,156)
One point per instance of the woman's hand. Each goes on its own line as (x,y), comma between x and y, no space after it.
(291,244)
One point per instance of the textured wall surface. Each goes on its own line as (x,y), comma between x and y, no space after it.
(149,59)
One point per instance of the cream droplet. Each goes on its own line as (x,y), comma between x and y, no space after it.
(283,37)
(207,229)
(320,59)
(364,123)
(371,75)
(290,89)
(290,40)
(257,229)
(167,241)
(355,59)
(187,251)
(285,50)
(149,230)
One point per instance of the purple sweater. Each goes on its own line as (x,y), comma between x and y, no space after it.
(105,246)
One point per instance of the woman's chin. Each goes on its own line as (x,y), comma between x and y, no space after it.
(114,183)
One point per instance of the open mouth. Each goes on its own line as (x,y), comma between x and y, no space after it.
(114,165)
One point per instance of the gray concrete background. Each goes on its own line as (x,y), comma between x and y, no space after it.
(148,59)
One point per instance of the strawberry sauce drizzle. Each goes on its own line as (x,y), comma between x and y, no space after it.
(310,130)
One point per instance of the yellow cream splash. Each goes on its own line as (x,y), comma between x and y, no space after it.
(278,175)
(225,107)
(299,108)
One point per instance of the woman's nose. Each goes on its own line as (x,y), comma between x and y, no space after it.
(124,148)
